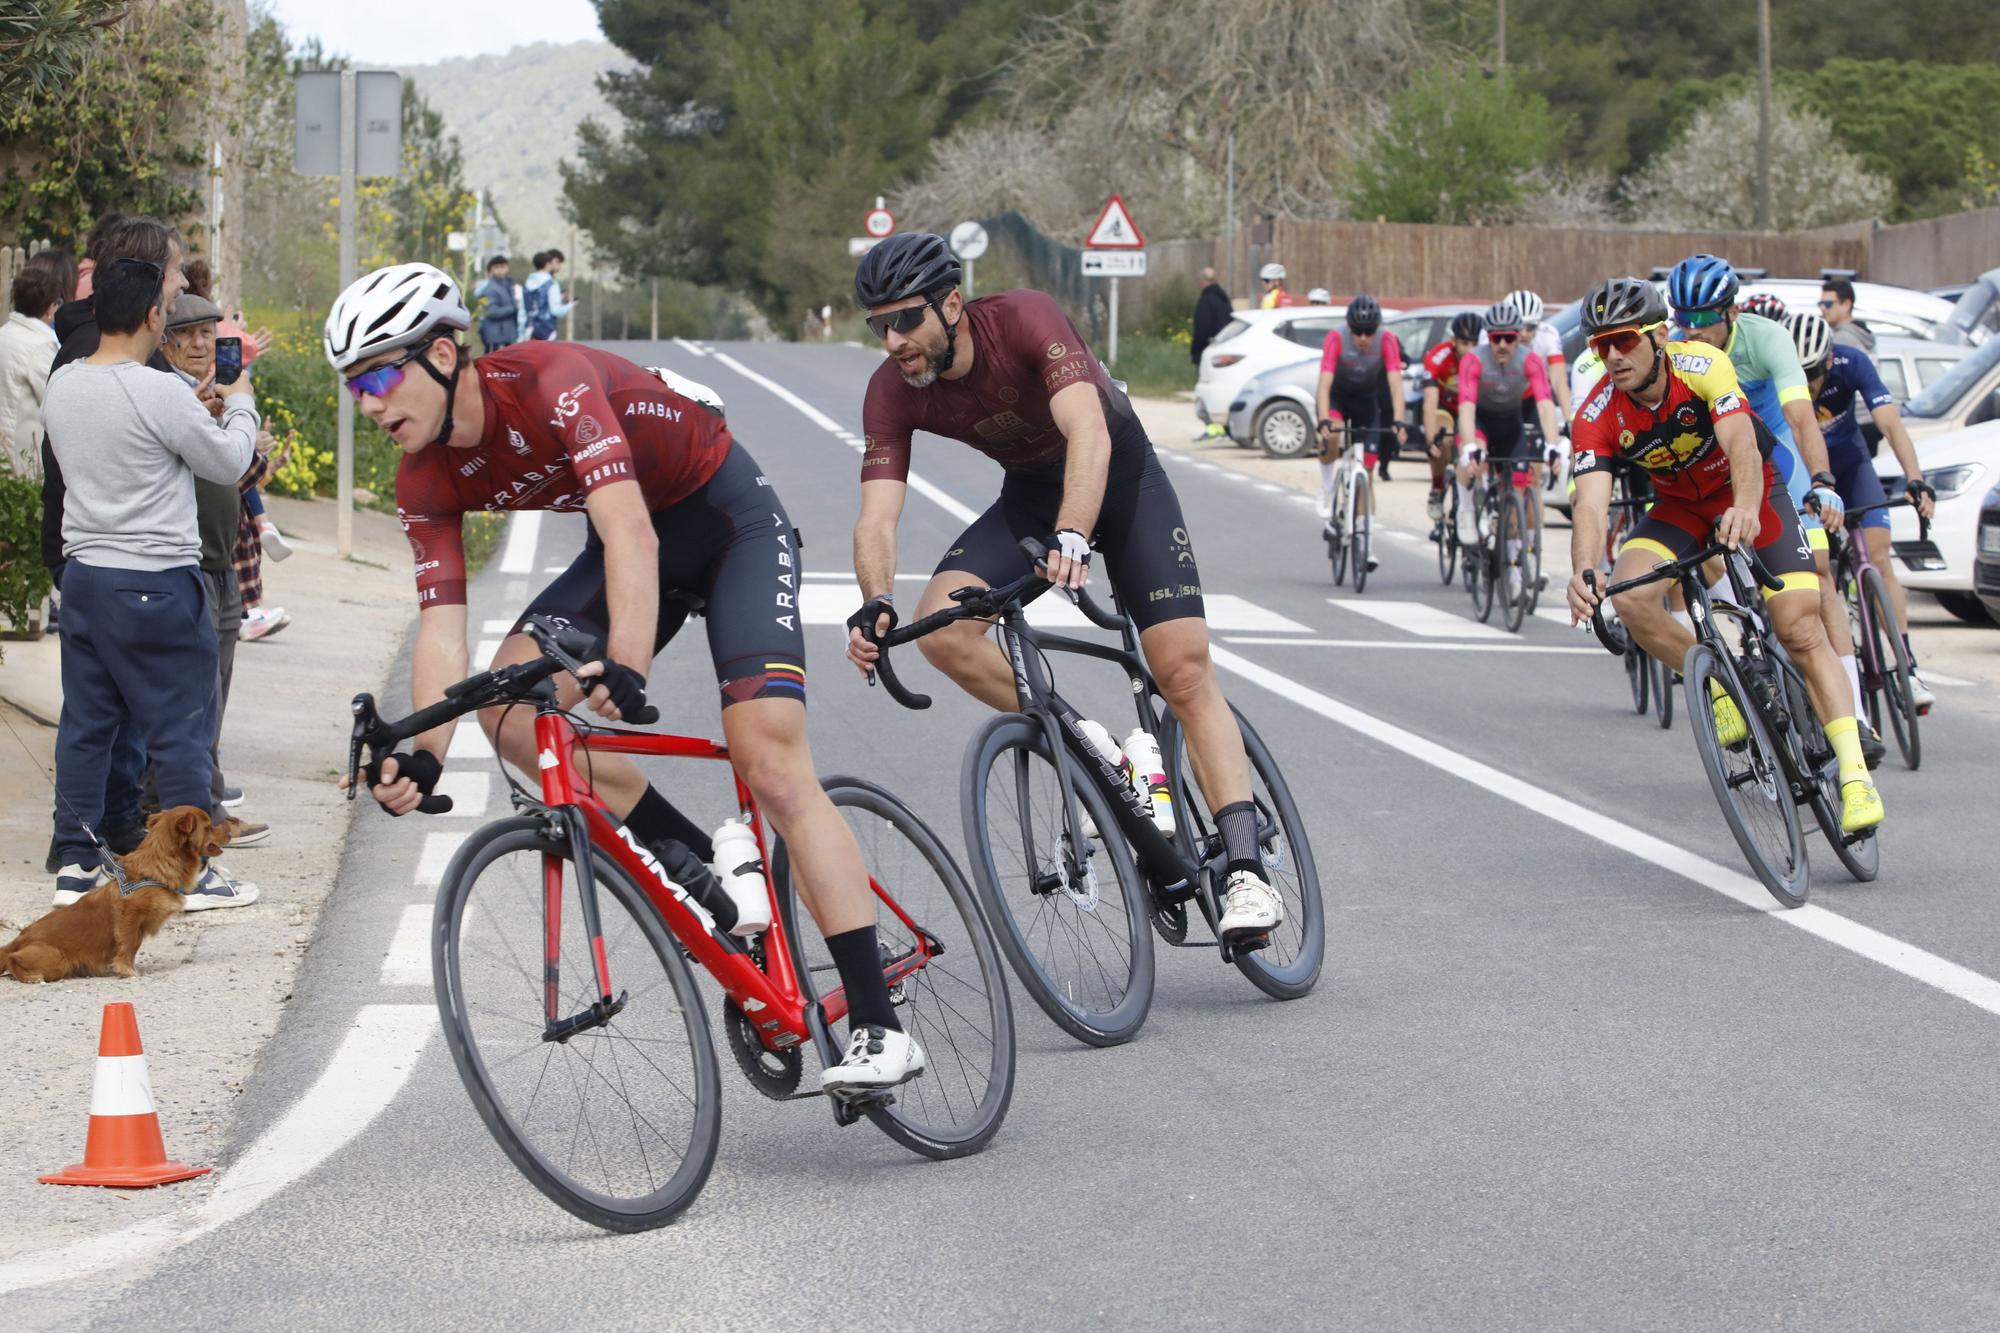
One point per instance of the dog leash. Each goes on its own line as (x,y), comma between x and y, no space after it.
(106,858)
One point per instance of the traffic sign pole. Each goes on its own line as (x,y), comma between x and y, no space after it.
(344,422)
(968,279)
(1113,359)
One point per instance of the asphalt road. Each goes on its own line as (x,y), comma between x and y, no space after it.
(1558,1074)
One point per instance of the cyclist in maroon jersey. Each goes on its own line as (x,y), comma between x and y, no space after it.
(1009,375)
(675,508)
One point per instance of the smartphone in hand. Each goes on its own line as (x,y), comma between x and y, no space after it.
(228,360)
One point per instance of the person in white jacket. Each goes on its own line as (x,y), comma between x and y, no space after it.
(27,351)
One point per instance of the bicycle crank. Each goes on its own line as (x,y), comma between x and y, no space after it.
(774,1073)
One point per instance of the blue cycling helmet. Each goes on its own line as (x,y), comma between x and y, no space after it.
(1702,282)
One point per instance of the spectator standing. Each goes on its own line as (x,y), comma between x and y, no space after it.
(139,647)
(1836,303)
(201,282)
(542,297)
(1212,310)
(500,317)
(189,346)
(28,348)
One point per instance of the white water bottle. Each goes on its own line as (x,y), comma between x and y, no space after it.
(740,870)
(1106,748)
(1149,778)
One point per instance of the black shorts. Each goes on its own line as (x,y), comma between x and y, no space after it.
(1675,529)
(1502,434)
(1368,416)
(1141,537)
(731,545)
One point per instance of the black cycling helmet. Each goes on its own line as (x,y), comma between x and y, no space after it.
(911,263)
(1623,303)
(1364,314)
(1466,326)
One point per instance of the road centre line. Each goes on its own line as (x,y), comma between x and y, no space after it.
(436,855)
(367,1072)
(408,961)
(690,348)
(1920,965)
(524,533)
(1422,619)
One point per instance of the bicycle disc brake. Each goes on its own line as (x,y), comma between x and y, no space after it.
(1081,886)
(773,1073)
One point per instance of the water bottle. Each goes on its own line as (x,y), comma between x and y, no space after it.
(1106,748)
(1149,778)
(740,870)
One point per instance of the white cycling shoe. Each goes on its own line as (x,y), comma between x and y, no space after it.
(1324,505)
(877,1059)
(1250,907)
(1920,693)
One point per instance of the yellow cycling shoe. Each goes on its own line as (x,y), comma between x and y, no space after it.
(1860,806)
(1729,725)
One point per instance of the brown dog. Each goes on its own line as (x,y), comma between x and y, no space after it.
(100,934)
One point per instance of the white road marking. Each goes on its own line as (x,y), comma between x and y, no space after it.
(1272,487)
(482,656)
(524,532)
(470,791)
(1555,615)
(468,741)
(1415,645)
(438,850)
(1939,678)
(495,626)
(690,348)
(1951,978)
(366,1073)
(1419,618)
(831,603)
(847,576)
(408,962)
(824,422)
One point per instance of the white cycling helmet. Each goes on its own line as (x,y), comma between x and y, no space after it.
(1811,334)
(1528,303)
(1319,296)
(1271,273)
(391,308)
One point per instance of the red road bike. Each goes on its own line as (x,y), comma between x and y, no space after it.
(560,951)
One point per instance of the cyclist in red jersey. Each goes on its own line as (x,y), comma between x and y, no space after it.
(1676,410)
(1440,411)
(676,510)
(1009,375)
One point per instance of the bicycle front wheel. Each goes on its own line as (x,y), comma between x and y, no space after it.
(1639,675)
(1893,659)
(1335,531)
(1663,691)
(954,1003)
(1481,566)
(1748,779)
(1447,537)
(1359,533)
(618,1121)
(1536,515)
(1289,966)
(1513,550)
(1067,905)
(1861,853)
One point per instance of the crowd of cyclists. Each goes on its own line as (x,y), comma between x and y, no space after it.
(1731,419)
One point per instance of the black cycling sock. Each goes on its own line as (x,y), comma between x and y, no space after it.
(654,819)
(858,957)
(1238,826)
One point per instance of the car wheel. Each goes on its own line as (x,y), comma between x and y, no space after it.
(1967,607)
(1284,430)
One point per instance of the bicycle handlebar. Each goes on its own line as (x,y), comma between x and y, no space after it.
(1671,569)
(1900,502)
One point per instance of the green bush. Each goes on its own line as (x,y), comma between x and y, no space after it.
(23,581)
(1154,367)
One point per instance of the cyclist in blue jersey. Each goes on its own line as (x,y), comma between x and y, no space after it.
(1837,375)
(1702,290)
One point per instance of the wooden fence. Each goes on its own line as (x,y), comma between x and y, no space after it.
(1935,251)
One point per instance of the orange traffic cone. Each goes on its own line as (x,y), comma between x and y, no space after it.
(124,1149)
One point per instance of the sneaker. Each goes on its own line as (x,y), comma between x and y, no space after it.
(72,882)
(1513,584)
(218,888)
(1860,806)
(231,797)
(876,1059)
(1730,728)
(1250,907)
(1872,748)
(1435,506)
(1324,505)
(1468,529)
(274,541)
(1920,693)
(243,833)
(262,624)
(1373,563)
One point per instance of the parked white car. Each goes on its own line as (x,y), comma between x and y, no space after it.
(1887,311)
(1962,466)
(1966,395)
(1256,341)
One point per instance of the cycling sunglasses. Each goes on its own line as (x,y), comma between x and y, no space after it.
(1621,341)
(1497,338)
(1700,319)
(383,378)
(905,321)
(1828,305)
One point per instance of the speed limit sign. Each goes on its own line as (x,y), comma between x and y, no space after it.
(879,222)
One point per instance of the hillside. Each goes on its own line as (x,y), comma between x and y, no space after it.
(516,115)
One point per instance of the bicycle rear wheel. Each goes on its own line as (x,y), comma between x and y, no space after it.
(1360,530)
(1749,781)
(1639,675)
(1480,563)
(1070,911)
(1893,658)
(1513,549)
(1861,853)
(1663,691)
(955,1004)
(1289,966)
(1336,525)
(616,1122)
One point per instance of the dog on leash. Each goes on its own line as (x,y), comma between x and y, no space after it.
(99,934)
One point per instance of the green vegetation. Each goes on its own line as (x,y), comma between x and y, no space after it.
(1458,147)
(45,46)
(1153,366)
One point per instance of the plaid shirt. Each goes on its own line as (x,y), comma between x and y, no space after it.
(249,553)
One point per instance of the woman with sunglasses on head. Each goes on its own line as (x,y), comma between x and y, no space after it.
(675,505)
(1676,410)
(1702,291)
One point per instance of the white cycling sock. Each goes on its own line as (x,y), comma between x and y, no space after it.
(1513,548)
(1326,476)
(1366,522)
(1852,666)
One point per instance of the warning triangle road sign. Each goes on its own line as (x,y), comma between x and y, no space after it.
(1115,229)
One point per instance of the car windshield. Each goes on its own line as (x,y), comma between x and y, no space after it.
(1942,396)
(1978,308)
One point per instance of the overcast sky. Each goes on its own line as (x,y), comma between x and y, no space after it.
(396,32)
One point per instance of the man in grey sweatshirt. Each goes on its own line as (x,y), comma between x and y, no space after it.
(139,648)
